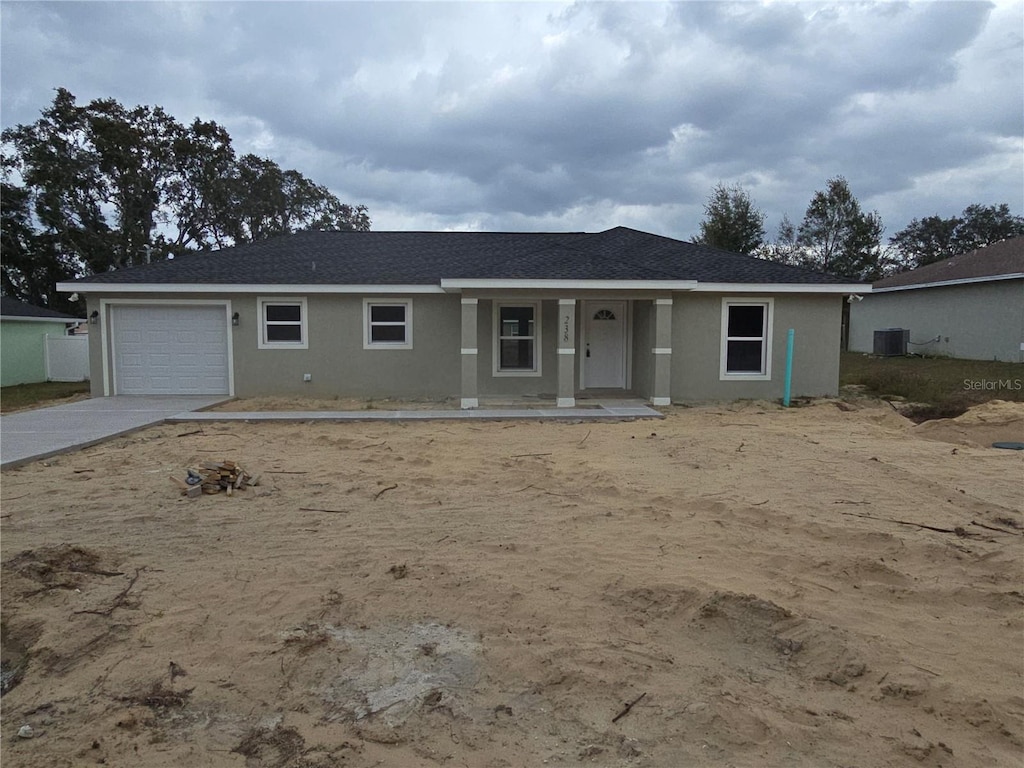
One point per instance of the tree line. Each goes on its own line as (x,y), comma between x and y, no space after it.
(838,237)
(95,187)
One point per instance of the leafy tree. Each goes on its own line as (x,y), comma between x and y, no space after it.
(135,157)
(30,264)
(731,221)
(984,225)
(254,192)
(934,238)
(837,237)
(98,187)
(784,248)
(926,240)
(263,201)
(52,221)
(193,198)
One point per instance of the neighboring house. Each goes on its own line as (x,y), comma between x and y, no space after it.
(23,332)
(970,306)
(466,315)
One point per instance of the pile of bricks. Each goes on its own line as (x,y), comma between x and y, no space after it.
(214,477)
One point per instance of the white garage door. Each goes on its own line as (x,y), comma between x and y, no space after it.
(170,350)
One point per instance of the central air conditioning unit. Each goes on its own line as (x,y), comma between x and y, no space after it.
(891,342)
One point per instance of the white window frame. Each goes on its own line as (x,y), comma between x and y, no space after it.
(765,374)
(262,302)
(497,337)
(368,304)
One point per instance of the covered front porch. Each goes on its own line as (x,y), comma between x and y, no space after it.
(572,349)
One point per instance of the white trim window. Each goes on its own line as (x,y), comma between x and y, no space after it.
(517,339)
(387,324)
(282,323)
(746,352)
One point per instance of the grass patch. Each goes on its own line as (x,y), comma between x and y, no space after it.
(23,396)
(943,386)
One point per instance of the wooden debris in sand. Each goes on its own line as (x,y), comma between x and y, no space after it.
(629,706)
(213,477)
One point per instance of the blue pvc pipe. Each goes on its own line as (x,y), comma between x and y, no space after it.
(789,367)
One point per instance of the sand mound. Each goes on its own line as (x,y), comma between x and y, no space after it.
(992,412)
(978,427)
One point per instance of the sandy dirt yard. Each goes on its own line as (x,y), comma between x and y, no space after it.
(736,585)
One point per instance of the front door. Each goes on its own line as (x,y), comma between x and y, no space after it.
(604,361)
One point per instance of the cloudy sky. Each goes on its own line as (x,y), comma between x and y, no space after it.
(565,116)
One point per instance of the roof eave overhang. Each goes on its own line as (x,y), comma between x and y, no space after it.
(35,319)
(694,286)
(840,288)
(460,284)
(944,283)
(221,288)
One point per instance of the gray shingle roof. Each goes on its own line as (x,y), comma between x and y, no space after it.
(425,258)
(1004,258)
(11,307)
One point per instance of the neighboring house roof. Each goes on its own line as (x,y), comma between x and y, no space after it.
(432,258)
(13,309)
(999,261)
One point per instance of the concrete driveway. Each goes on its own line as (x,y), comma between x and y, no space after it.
(29,435)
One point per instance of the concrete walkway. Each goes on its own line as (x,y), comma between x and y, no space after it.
(606,412)
(31,435)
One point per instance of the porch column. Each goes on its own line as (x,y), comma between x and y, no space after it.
(566,353)
(662,352)
(470,398)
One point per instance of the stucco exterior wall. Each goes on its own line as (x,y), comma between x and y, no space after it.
(643,342)
(978,321)
(547,383)
(697,337)
(96,388)
(92,302)
(339,365)
(22,350)
(335,358)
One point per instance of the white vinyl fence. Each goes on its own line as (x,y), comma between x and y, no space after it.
(67,358)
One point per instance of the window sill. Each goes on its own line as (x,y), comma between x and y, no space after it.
(381,345)
(744,377)
(283,345)
(516,373)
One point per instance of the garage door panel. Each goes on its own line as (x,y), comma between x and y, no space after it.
(170,350)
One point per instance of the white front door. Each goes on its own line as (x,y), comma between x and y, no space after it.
(604,355)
